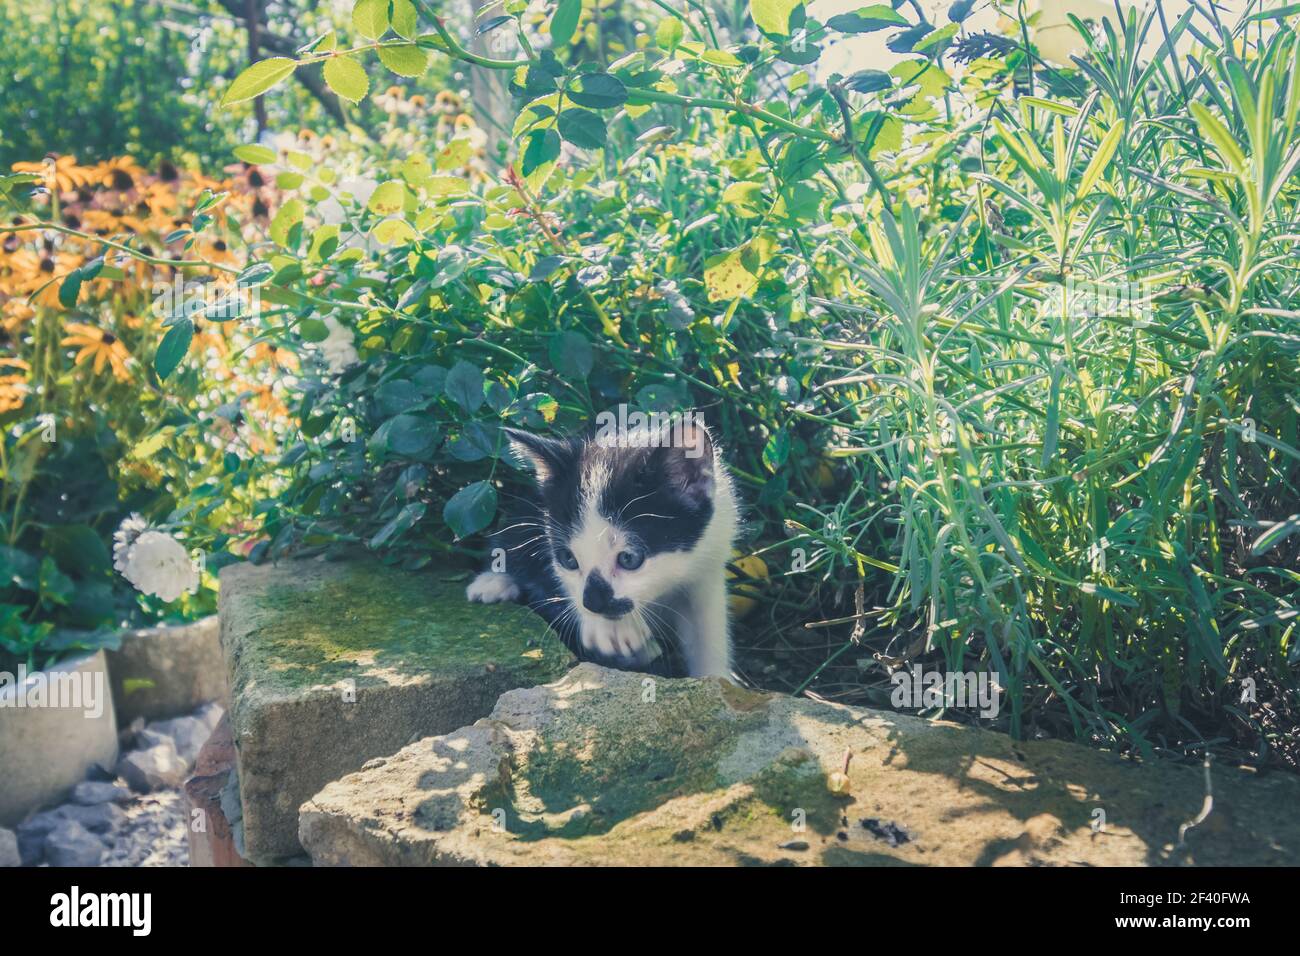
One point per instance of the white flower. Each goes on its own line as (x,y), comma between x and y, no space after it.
(125,535)
(358,187)
(158,564)
(338,349)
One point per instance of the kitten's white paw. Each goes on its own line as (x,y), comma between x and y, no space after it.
(492,587)
(627,637)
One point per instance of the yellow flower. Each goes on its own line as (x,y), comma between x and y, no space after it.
(218,251)
(16,313)
(58,174)
(38,275)
(265,400)
(13,385)
(122,173)
(102,346)
(267,353)
(206,337)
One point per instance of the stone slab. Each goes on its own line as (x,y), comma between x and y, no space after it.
(333,664)
(50,743)
(168,671)
(607,767)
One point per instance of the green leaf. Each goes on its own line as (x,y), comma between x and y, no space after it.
(286,217)
(69,289)
(405,20)
(670,33)
(407,435)
(254,154)
(402,522)
(1105,150)
(773,16)
(571,355)
(464,386)
(1107,594)
(405,59)
(722,58)
(346,77)
(869,81)
(543,147)
(565,22)
(878,16)
(583,128)
(391,231)
(777,450)
(599,91)
(1276,534)
(173,347)
(1218,134)
(471,509)
(257,79)
(313,330)
(388,198)
(746,198)
(77,549)
(370,18)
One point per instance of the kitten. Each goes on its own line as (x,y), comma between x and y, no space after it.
(624,548)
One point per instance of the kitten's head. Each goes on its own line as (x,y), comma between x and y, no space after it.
(624,516)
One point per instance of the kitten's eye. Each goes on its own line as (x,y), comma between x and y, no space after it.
(566,558)
(630,560)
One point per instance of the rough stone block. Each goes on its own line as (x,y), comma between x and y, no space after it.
(167,671)
(333,664)
(212,839)
(608,767)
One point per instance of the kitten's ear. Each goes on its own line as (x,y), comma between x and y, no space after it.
(545,456)
(689,462)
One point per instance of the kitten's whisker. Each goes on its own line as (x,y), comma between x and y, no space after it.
(632,502)
(519,524)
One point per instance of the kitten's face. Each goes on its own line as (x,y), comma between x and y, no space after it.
(622,521)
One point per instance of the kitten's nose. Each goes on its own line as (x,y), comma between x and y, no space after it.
(598,597)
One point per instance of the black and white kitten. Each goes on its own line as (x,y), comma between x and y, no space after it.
(624,548)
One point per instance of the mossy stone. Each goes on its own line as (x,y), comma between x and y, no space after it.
(605,767)
(334,664)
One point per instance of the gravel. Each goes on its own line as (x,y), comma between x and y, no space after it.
(134,815)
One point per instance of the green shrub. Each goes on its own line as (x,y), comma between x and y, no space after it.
(1003,354)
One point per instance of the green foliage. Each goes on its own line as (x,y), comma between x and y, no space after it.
(1008,380)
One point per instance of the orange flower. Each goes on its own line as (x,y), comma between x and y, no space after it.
(101,345)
